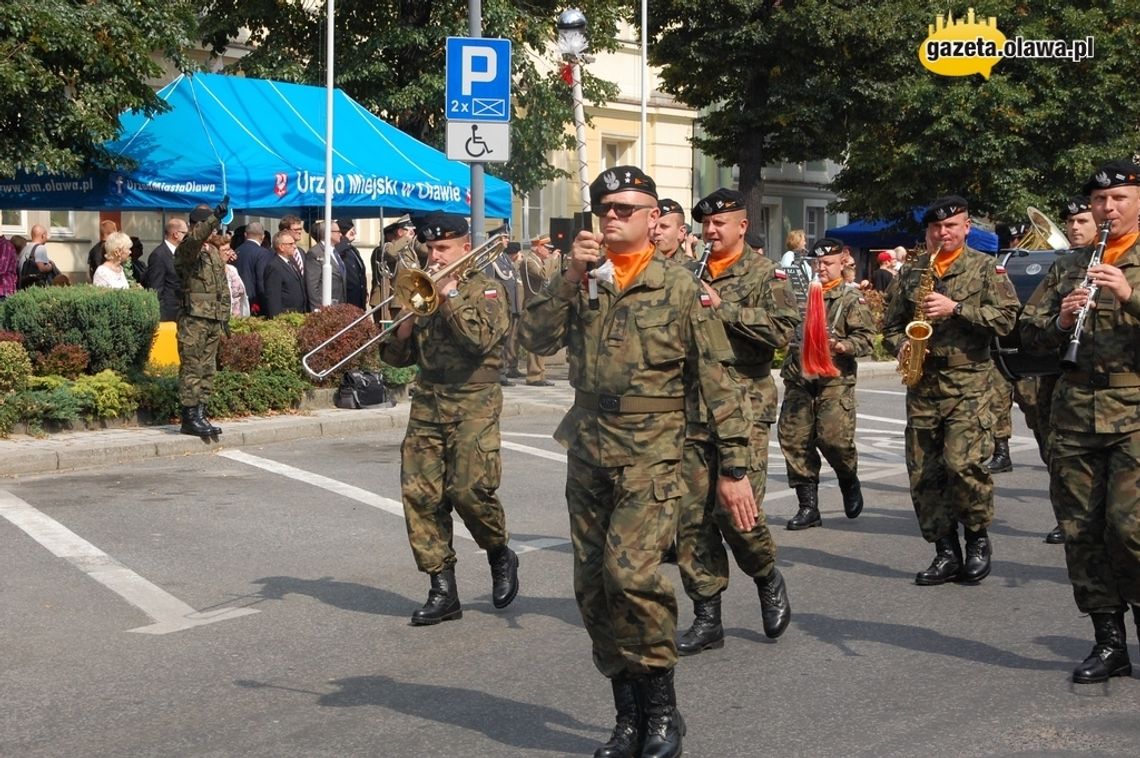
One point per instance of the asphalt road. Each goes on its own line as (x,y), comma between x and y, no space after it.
(236,604)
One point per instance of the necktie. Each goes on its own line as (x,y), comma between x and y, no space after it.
(298,261)
(296,267)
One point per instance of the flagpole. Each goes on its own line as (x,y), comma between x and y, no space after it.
(326,228)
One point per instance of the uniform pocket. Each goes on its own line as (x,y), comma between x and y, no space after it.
(660,336)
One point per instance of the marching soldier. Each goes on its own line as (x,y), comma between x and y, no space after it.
(818,414)
(450,456)
(1095,445)
(750,296)
(398,235)
(202,317)
(538,265)
(669,236)
(949,432)
(634,357)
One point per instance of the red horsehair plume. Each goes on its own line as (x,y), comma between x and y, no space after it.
(815,352)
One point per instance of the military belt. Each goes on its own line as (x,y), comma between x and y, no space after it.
(481,375)
(1100,380)
(958,358)
(627,403)
(755,371)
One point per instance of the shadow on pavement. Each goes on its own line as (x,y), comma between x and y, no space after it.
(350,596)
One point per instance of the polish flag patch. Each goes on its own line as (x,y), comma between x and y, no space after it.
(1000,269)
(706,301)
(781,274)
(491,294)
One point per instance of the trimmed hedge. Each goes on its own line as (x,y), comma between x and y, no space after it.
(115,327)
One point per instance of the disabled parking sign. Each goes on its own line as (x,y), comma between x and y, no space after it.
(478,79)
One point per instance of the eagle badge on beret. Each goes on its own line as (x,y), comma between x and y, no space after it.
(611,181)
(430,232)
(1074,209)
(1102,179)
(706,207)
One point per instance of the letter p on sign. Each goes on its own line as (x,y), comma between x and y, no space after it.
(485,73)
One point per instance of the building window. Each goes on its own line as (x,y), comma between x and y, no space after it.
(62,224)
(534,216)
(615,153)
(759,229)
(14,222)
(815,221)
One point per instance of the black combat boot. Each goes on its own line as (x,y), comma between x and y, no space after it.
(504,576)
(1109,656)
(947,563)
(852,497)
(192,423)
(664,726)
(214,430)
(978,551)
(808,514)
(442,600)
(1001,462)
(629,731)
(706,632)
(775,609)
(1056,537)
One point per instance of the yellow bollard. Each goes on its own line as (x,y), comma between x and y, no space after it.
(164,349)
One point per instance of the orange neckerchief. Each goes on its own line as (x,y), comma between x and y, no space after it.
(718,266)
(829,286)
(628,265)
(1117,247)
(945,261)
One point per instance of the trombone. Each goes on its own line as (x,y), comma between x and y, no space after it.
(416,294)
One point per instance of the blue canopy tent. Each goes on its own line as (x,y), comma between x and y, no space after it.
(886,234)
(262,143)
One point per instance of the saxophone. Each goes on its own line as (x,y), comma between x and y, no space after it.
(918,331)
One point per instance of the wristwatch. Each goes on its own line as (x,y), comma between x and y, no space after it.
(736,472)
(957,309)
(453,294)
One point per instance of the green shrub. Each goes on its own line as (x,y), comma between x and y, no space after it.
(879,352)
(398,376)
(259,391)
(116,327)
(240,352)
(322,325)
(278,342)
(35,408)
(15,367)
(105,395)
(63,359)
(158,393)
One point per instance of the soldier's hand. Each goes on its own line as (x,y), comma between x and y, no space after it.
(222,207)
(586,250)
(838,347)
(736,498)
(1071,304)
(937,306)
(404,330)
(1112,279)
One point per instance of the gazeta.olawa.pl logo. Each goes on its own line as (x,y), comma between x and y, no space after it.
(964,47)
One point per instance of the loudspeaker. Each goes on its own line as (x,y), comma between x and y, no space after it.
(561,234)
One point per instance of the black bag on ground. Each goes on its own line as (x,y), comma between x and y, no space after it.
(362,389)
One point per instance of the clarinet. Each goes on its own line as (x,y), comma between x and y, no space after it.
(1069,361)
(703,263)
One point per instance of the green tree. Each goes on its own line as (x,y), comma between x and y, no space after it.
(1029,135)
(781,80)
(390,57)
(69,69)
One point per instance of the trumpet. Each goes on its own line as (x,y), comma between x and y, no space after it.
(416,293)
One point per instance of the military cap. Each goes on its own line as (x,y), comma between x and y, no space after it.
(824,247)
(344,224)
(402,222)
(1113,174)
(945,207)
(621,179)
(512,248)
(441,226)
(724,200)
(1075,205)
(199,214)
(668,205)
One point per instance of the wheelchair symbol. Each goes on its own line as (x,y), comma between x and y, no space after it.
(475,146)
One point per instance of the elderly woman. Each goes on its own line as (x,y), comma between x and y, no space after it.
(239,299)
(116,249)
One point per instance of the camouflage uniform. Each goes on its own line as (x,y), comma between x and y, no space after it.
(533,274)
(1095,452)
(450,456)
(204,313)
(949,432)
(819,414)
(760,314)
(631,363)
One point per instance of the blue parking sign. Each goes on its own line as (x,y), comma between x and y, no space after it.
(478,79)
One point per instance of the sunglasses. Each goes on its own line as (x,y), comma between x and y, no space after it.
(621,210)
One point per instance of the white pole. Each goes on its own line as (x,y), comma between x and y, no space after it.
(326,270)
(644,83)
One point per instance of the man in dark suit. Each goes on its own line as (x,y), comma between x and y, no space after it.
(355,286)
(283,288)
(315,267)
(250,264)
(160,274)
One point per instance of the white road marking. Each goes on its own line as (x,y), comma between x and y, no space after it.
(881,392)
(535,451)
(532,435)
(168,612)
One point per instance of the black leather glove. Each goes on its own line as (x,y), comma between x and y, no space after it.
(222,207)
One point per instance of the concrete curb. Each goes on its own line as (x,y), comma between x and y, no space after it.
(69,451)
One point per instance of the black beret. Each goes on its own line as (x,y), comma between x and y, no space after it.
(1075,205)
(824,247)
(1113,174)
(621,179)
(400,223)
(441,226)
(200,214)
(344,224)
(512,248)
(945,207)
(668,205)
(723,200)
